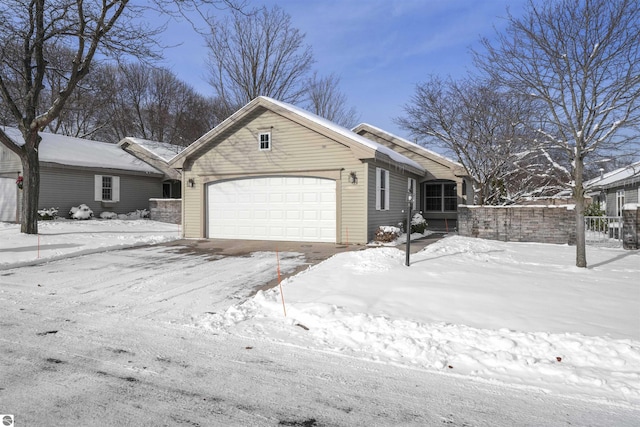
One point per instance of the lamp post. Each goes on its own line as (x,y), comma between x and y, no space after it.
(408,230)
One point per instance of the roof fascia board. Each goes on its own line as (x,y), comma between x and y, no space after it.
(96,169)
(414,148)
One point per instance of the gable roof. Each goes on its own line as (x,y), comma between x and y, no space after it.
(413,147)
(362,147)
(69,151)
(160,150)
(157,154)
(622,176)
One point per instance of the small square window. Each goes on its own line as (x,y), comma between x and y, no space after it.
(265,141)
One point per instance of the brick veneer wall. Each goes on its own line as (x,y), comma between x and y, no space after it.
(166,210)
(542,224)
(631,226)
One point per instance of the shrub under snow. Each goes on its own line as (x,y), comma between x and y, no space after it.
(48,213)
(387,233)
(138,214)
(108,215)
(81,212)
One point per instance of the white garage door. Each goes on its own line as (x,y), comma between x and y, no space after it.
(8,199)
(274,208)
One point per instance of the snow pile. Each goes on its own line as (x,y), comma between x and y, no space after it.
(508,312)
(63,238)
(81,212)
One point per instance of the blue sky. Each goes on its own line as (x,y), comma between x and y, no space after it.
(380,49)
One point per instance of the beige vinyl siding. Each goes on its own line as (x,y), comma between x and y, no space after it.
(295,150)
(192,206)
(398,187)
(64,188)
(353,206)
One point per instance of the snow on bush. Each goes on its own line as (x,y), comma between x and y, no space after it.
(138,214)
(48,214)
(387,233)
(108,215)
(418,223)
(81,212)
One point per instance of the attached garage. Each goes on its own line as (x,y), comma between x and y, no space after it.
(273,171)
(283,208)
(8,199)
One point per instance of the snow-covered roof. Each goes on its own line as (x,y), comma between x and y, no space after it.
(348,133)
(70,151)
(415,147)
(620,176)
(162,150)
(309,117)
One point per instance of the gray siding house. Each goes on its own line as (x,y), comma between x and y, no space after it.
(75,171)
(615,189)
(444,186)
(273,171)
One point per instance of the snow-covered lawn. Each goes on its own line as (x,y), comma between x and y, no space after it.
(62,238)
(500,312)
(511,312)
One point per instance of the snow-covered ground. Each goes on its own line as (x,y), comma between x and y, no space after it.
(513,313)
(63,238)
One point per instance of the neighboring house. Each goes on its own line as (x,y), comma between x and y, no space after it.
(273,171)
(75,171)
(616,188)
(158,155)
(445,185)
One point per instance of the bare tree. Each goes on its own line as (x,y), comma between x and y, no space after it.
(152,103)
(27,29)
(487,131)
(581,59)
(324,98)
(257,54)
(84,114)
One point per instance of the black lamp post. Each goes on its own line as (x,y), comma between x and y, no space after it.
(408,230)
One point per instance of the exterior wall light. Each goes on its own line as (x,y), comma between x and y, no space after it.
(353,178)
(191,183)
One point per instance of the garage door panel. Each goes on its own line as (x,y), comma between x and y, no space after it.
(274,208)
(8,195)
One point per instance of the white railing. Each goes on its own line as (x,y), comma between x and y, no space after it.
(603,230)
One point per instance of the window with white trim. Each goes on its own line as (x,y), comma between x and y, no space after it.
(382,189)
(264,141)
(619,202)
(106,188)
(412,189)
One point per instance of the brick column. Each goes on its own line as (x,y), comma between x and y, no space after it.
(631,227)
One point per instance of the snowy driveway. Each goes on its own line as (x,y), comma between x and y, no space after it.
(111,339)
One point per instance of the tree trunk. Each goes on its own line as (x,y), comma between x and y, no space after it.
(31,185)
(578,194)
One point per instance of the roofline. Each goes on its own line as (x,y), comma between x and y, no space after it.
(130,140)
(418,149)
(56,165)
(362,151)
(595,183)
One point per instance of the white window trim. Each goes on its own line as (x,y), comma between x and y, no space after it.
(260,141)
(115,189)
(411,186)
(379,202)
(619,202)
